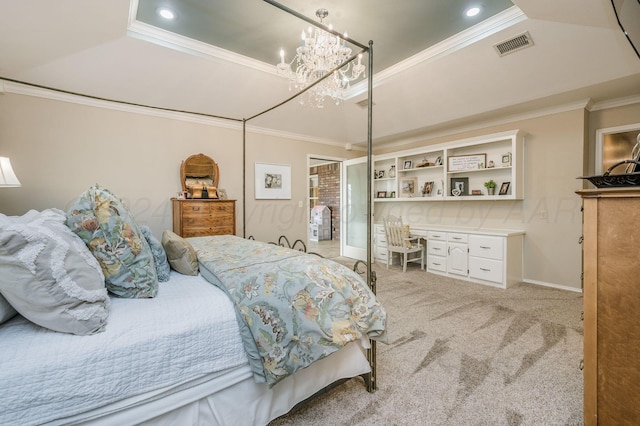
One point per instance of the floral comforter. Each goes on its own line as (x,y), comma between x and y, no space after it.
(293,308)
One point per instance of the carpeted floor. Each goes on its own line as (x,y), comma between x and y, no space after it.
(464,354)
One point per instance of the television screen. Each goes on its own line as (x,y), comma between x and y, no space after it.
(628,14)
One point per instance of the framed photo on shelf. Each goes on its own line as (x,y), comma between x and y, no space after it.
(381,194)
(407,164)
(504,189)
(506,160)
(427,188)
(459,186)
(272,181)
(459,163)
(408,187)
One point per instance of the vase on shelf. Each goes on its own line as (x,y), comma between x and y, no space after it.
(392,171)
(491,191)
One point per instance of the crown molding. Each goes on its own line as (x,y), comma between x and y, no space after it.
(614,103)
(27,90)
(490,26)
(146,32)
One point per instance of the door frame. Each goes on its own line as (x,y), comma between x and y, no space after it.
(328,159)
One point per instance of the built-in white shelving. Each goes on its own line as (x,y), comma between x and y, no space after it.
(453,171)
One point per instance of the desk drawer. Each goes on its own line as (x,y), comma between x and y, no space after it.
(486,269)
(486,246)
(437,263)
(437,248)
(437,235)
(457,238)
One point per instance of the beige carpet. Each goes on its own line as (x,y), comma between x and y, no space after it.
(464,354)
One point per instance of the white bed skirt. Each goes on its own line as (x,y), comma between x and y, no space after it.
(230,398)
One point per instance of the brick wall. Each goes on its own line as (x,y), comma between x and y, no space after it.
(329,193)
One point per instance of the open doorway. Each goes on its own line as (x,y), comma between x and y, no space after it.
(325,205)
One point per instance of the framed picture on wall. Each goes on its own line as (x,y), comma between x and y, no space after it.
(272,181)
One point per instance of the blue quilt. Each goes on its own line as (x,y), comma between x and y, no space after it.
(293,308)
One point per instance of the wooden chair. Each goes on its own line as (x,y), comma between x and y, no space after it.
(398,241)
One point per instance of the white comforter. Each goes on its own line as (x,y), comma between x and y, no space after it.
(188,331)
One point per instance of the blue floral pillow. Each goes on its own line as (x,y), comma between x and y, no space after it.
(159,255)
(107,227)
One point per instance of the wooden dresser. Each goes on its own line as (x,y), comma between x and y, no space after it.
(197,218)
(611,306)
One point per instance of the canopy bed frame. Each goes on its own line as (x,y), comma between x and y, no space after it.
(317,378)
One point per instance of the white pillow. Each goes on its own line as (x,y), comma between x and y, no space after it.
(49,275)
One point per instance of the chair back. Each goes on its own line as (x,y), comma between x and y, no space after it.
(395,231)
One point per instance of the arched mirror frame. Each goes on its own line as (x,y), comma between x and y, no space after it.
(200,166)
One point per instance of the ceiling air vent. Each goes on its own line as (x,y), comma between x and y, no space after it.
(514,44)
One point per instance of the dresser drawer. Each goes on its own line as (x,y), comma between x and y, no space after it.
(437,235)
(486,246)
(437,263)
(201,220)
(196,218)
(200,231)
(457,238)
(486,269)
(437,248)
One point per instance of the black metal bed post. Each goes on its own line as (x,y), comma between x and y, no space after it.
(371,275)
(244,178)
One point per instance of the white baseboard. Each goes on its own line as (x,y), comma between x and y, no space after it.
(558,286)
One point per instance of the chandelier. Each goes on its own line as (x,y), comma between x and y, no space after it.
(319,53)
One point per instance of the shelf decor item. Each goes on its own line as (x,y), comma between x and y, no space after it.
(392,171)
(466,162)
(504,189)
(408,187)
(491,187)
(506,160)
(459,186)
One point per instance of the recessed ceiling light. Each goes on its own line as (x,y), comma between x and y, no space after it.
(472,11)
(166,13)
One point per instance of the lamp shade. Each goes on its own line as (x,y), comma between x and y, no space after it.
(7,176)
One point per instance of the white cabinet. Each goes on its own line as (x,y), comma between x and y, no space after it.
(492,257)
(486,258)
(379,244)
(455,170)
(457,258)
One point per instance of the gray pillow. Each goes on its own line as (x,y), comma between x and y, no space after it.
(182,257)
(159,255)
(50,277)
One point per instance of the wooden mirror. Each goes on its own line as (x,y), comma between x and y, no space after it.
(198,171)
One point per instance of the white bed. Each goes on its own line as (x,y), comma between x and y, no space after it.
(174,359)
